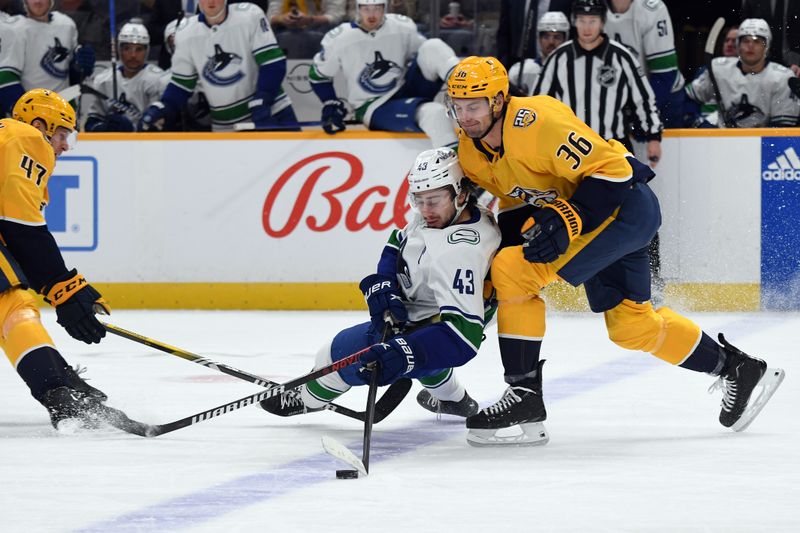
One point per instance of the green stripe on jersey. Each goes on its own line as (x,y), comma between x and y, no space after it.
(268,55)
(393,241)
(320,391)
(662,63)
(230,114)
(8,77)
(185,82)
(472,332)
(315,76)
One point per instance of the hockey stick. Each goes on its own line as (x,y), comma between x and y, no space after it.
(388,402)
(112,21)
(794,86)
(116,105)
(711,44)
(250,126)
(160,429)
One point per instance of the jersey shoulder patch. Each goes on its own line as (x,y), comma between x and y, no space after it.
(653,5)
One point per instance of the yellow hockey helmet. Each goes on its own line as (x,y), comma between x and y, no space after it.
(478,77)
(47,106)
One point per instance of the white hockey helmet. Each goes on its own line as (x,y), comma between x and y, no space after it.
(754,28)
(434,169)
(134,33)
(553,21)
(383,3)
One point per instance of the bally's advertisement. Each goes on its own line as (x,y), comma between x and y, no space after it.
(294,221)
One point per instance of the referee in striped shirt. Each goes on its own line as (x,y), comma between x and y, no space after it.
(598,78)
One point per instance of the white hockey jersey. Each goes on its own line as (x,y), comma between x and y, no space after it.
(134,95)
(223,61)
(372,63)
(646,30)
(441,271)
(37,54)
(526,81)
(749,100)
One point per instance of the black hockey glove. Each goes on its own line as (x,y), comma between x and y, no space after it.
(83,60)
(398,357)
(549,232)
(383,296)
(118,122)
(260,110)
(154,118)
(76,303)
(333,114)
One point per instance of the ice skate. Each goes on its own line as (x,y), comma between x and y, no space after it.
(739,381)
(464,407)
(67,403)
(521,406)
(290,403)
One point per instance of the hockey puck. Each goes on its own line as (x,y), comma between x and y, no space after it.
(347,474)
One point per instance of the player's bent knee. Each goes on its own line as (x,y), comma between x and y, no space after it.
(436,59)
(17,306)
(634,326)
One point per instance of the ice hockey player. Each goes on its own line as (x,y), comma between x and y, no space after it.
(230,53)
(41,129)
(754,91)
(40,50)
(645,28)
(138,85)
(573,207)
(553,30)
(391,74)
(430,282)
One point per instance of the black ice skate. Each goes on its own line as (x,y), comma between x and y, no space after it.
(738,380)
(464,407)
(65,403)
(521,405)
(290,403)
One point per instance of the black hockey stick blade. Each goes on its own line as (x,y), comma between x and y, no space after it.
(386,404)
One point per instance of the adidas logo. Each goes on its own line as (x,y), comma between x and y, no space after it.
(786,167)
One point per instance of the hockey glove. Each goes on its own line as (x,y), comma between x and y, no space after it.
(383,296)
(548,233)
(153,118)
(260,110)
(118,122)
(333,113)
(76,302)
(397,358)
(83,60)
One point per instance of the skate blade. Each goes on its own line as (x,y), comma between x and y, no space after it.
(338,450)
(532,434)
(769,383)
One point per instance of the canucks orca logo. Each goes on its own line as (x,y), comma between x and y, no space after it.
(379,76)
(55,54)
(215,68)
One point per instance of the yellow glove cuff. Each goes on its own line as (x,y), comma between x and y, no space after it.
(572,220)
(64,290)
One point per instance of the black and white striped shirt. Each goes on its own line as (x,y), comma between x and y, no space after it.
(598,84)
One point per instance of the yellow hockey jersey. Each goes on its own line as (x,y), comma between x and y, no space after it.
(546,153)
(26,163)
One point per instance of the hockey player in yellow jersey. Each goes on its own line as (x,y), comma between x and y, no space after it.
(41,130)
(577,208)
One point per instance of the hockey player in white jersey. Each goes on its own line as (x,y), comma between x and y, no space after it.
(645,27)
(391,74)
(40,50)
(430,282)
(138,85)
(552,30)
(754,91)
(230,53)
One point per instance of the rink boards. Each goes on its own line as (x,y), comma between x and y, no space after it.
(294,220)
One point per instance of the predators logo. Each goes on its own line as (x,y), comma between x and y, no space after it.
(524,118)
(534,197)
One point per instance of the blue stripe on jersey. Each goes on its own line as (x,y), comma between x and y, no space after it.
(451,309)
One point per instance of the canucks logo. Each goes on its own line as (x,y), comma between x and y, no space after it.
(55,54)
(379,76)
(223,67)
(467,235)
(534,197)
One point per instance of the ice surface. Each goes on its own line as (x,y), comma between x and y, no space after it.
(635,443)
